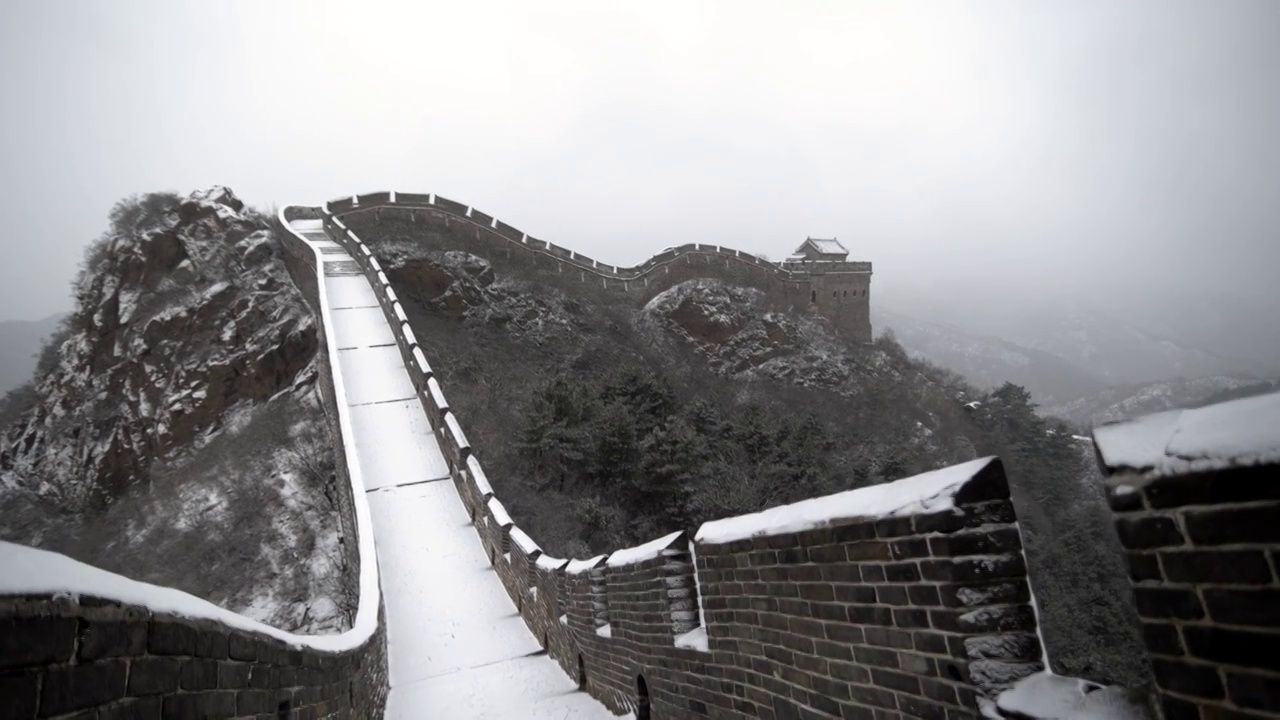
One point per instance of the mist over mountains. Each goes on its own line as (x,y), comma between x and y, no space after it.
(1086,364)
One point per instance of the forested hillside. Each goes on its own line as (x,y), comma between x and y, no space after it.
(602,424)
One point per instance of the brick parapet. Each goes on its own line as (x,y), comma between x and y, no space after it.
(1203,551)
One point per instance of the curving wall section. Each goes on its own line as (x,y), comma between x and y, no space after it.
(838,291)
(908,598)
(79,642)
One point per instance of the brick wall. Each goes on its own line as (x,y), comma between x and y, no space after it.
(103,660)
(785,288)
(911,616)
(1204,560)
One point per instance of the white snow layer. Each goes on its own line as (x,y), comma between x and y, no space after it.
(695,639)
(927,492)
(1239,432)
(447,652)
(576,567)
(643,552)
(1048,696)
(522,539)
(500,515)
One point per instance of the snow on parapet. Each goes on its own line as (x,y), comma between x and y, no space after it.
(1234,433)
(478,477)
(499,512)
(546,562)
(927,492)
(576,567)
(526,543)
(643,552)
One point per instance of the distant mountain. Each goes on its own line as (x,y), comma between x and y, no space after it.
(1081,366)
(20,342)
(1126,401)
(989,361)
(1118,351)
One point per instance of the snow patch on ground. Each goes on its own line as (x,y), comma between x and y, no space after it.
(695,639)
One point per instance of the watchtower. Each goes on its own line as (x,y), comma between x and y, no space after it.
(839,290)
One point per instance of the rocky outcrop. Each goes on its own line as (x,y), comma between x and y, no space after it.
(179,438)
(179,322)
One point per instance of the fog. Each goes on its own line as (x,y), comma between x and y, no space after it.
(983,155)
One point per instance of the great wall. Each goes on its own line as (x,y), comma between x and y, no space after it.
(909,599)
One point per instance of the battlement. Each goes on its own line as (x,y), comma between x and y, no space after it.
(837,290)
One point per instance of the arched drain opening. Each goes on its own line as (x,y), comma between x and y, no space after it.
(954,672)
(642,698)
(284,709)
(582,673)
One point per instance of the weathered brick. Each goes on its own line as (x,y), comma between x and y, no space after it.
(997,541)
(253,702)
(1175,709)
(895,680)
(188,706)
(909,548)
(1188,679)
(101,639)
(1214,488)
(930,642)
(892,527)
(1003,646)
(1258,607)
(1253,691)
(873,573)
(75,687)
(862,594)
(154,675)
(1158,603)
(1255,524)
(924,595)
(199,675)
(1124,498)
(1144,566)
(165,637)
(28,641)
(911,618)
(133,709)
(888,637)
(971,570)
(870,615)
(868,551)
(234,676)
(1244,648)
(18,694)
(902,572)
(1161,638)
(990,593)
(891,594)
(240,647)
(1217,566)
(1143,533)
(915,707)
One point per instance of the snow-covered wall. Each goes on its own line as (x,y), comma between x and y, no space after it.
(910,597)
(1196,495)
(839,291)
(77,641)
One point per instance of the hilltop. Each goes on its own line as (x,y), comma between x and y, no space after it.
(173,431)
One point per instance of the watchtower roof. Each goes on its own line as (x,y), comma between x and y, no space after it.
(822,246)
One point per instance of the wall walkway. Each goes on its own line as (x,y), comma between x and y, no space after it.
(456,646)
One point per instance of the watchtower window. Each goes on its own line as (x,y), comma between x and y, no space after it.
(846,293)
(813,296)
(835,293)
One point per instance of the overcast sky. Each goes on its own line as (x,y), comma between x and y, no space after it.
(1116,150)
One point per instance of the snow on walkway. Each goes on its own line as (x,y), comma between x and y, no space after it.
(456,646)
